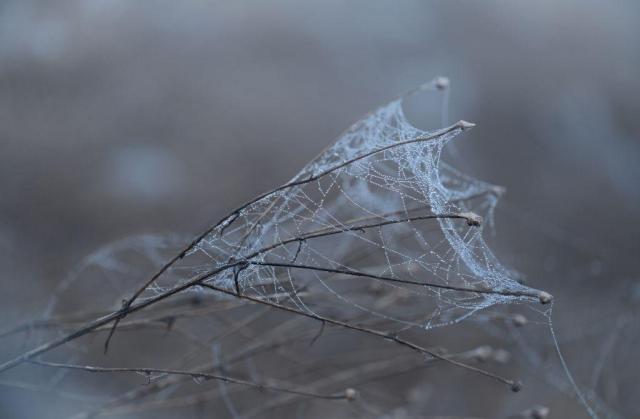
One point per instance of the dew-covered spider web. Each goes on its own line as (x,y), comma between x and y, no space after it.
(377,232)
(376,227)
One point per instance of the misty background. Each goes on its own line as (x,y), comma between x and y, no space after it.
(119,118)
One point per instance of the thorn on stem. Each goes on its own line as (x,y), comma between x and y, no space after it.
(317,336)
(300,243)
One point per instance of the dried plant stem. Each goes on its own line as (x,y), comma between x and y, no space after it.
(162,317)
(365,373)
(370,370)
(353,272)
(135,395)
(471,219)
(195,375)
(515,386)
(227,220)
(199,281)
(107,319)
(128,309)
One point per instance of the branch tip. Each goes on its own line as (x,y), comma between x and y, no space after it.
(473,219)
(465,125)
(545,297)
(516,386)
(350,394)
(441,83)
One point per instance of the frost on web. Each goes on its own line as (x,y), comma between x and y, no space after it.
(358,232)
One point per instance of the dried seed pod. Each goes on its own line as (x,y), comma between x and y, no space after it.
(545,297)
(350,394)
(441,83)
(516,386)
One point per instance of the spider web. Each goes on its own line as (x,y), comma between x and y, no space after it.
(376,228)
(377,231)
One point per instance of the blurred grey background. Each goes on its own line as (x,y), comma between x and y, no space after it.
(119,118)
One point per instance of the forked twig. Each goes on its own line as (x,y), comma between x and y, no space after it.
(107,319)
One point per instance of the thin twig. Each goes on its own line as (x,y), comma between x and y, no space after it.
(471,219)
(363,373)
(227,220)
(194,375)
(134,396)
(353,272)
(108,319)
(127,309)
(515,385)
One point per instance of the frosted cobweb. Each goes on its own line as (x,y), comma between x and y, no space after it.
(376,232)
(376,227)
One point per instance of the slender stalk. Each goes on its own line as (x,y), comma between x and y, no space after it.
(515,385)
(194,375)
(127,309)
(231,217)
(106,320)
(353,272)
(471,219)
(134,396)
